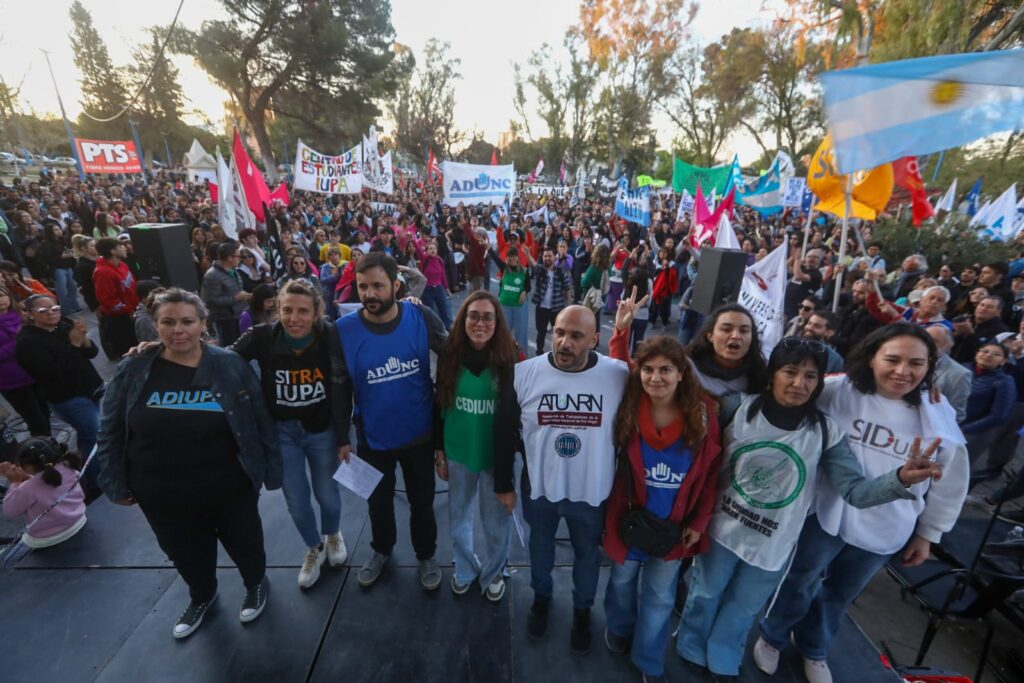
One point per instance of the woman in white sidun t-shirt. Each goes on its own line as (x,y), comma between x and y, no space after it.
(883,406)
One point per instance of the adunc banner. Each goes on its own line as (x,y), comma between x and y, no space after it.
(634,205)
(686,177)
(477,183)
(328,174)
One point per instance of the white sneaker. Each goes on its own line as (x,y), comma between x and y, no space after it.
(310,571)
(766,657)
(337,553)
(817,671)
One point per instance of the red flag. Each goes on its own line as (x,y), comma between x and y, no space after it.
(432,168)
(701,230)
(280,194)
(254,187)
(907,174)
(494,157)
(214,192)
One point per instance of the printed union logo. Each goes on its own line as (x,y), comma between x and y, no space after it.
(568,445)
(947,92)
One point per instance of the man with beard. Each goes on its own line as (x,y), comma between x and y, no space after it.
(380,367)
(565,403)
(856,322)
(821,326)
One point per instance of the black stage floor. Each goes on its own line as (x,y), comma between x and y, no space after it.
(101,607)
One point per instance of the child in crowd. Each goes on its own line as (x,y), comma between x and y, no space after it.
(45,472)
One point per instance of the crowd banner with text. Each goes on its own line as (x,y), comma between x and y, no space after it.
(328,174)
(477,183)
(633,205)
(793,192)
(108,156)
(763,293)
(379,175)
(686,177)
(607,185)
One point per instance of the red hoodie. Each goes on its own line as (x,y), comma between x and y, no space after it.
(115,288)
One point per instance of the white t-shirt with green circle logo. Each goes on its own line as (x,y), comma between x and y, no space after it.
(766,486)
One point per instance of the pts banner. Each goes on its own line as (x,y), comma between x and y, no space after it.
(108,156)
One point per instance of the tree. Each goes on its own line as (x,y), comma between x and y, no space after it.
(158,108)
(423,110)
(563,98)
(103,91)
(630,42)
(711,98)
(915,28)
(324,64)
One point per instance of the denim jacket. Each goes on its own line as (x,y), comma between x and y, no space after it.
(237,390)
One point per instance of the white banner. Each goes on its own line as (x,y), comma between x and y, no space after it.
(553,190)
(327,174)
(686,204)
(225,199)
(793,191)
(383,207)
(378,175)
(763,293)
(477,183)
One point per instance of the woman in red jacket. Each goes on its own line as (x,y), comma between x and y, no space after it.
(669,439)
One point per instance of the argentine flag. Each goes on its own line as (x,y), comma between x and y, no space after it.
(883,112)
(765,195)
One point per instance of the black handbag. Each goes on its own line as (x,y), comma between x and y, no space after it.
(642,530)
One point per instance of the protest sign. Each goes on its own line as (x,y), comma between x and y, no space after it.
(763,293)
(328,174)
(634,205)
(477,183)
(793,192)
(108,156)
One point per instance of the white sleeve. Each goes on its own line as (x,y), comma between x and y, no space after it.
(946,496)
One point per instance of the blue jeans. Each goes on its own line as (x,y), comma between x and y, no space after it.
(83,414)
(646,620)
(518,318)
(725,595)
(464,487)
(434,297)
(67,290)
(689,324)
(299,447)
(637,331)
(585,523)
(826,577)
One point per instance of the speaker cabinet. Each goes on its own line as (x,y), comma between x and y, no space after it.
(164,253)
(719,277)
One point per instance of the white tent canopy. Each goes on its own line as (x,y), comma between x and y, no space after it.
(198,162)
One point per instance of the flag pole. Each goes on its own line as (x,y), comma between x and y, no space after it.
(807,232)
(848,209)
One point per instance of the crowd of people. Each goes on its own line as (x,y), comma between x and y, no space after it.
(712,472)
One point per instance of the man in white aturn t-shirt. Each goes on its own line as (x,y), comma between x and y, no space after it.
(565,405)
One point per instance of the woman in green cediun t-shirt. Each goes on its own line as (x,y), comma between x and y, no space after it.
(474,375)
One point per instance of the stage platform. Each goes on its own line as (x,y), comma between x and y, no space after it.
(101,607)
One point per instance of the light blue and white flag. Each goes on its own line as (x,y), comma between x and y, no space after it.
(735,176)
(765,195)
(946,203)
(883,112)
(1001,218)
(633,205)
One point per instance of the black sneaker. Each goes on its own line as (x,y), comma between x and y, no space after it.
(615,643)
(579,637)
(537,619)
(191,618)
(255,601)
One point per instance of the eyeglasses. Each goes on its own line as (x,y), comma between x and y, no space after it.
(805,307)
(45,309)
(814,345)
(486,318)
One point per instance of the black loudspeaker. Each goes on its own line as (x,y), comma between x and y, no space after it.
(718,279)
(164,253)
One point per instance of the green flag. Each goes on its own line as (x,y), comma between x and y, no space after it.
(686,177)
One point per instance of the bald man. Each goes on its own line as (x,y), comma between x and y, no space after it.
(565,405)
